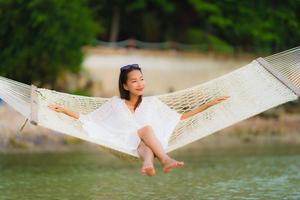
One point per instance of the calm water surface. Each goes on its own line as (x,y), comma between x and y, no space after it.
(241,173)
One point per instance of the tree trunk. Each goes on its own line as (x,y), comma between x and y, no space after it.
(114,31)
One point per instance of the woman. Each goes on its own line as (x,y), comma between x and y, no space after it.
(136,122)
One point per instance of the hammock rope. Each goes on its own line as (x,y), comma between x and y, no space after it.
(254,88)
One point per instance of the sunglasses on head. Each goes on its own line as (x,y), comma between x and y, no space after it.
(132,66)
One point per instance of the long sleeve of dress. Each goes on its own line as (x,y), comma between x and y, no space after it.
(166,120)
(93,122)
(98,114)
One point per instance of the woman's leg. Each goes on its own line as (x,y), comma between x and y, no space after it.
(148,137)
(147,155)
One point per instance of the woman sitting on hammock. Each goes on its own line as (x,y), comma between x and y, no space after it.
(134,122)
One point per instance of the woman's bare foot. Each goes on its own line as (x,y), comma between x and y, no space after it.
(170,164)
(148,168)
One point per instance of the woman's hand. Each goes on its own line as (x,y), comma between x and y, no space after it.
(61,109)
(203,107)
(217,100)
(56,108)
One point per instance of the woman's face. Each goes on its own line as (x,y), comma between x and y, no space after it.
(135,83)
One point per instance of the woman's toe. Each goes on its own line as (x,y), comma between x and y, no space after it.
(149,170)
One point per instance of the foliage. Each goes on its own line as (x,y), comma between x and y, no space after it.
(41,38)
(81,92)
(229,25)
(251,25)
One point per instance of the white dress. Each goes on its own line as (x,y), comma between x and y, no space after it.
(115,123)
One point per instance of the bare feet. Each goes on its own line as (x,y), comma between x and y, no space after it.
(170,164)
(148,169)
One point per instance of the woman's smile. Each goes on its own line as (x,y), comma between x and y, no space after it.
(140,89)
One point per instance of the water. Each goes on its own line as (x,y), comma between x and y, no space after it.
(248,173)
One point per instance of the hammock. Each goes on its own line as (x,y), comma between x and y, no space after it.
(260,85)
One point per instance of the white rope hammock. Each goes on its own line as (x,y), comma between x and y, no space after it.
(254,88)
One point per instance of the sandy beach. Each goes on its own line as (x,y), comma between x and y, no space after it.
(164,71)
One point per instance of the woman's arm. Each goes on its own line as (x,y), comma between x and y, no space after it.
(203,107)
(60,109)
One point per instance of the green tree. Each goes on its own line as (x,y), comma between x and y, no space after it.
(255,26)
(141,19)
(39,39)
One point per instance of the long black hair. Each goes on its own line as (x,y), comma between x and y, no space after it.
(123,77)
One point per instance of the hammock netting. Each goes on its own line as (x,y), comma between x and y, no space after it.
(254,88)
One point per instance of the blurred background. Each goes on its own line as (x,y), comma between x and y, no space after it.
(78,47)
